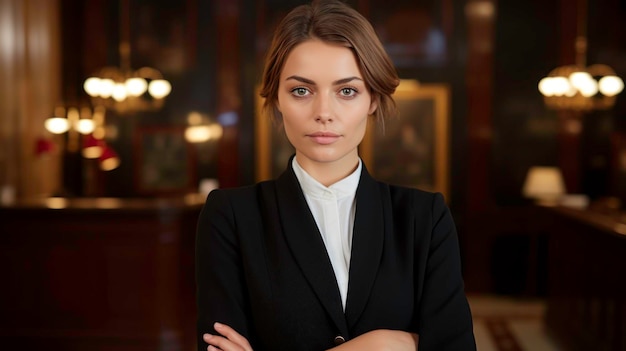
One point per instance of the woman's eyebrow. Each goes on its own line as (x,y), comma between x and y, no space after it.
(301,79)
(346,80)
(337,82)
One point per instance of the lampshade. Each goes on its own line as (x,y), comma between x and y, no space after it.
(92,147)
(109,159)
(544,184)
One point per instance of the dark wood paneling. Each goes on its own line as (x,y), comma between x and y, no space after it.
(98,275)
(586,305)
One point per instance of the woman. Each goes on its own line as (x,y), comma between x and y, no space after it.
(325,256)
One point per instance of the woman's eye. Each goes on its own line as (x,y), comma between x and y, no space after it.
(348,92)
(300,91)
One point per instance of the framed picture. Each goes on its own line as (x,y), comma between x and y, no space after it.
(164,161)
(412,149)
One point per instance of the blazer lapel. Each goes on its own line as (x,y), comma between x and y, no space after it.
(307,246)
(367,245)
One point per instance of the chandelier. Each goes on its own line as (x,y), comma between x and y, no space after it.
(580,87)
(123,89)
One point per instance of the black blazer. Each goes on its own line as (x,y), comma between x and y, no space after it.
(262,268)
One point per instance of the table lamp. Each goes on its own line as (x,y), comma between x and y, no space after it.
(545,185)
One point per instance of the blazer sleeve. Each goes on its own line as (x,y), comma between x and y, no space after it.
(444,314)
(219,275)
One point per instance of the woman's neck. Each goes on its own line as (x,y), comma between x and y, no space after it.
(329,173)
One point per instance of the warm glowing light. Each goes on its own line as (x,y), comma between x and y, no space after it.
(119,92)
(194,118)
(92,147)
(136,86)
(580,80)
(159,88)
(56,203)
(92,86)
(197,134)
(57,125)
(216,131)
(611,85)
(202,133)
(109,159)
(545,86)
(106,88)
(589,89)
(85,126)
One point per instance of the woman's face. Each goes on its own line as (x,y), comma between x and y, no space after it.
(324,104)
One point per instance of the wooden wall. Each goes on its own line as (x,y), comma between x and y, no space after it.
(29,86)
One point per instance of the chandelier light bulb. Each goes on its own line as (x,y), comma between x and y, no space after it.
(546,87)
(159,88)
(589,89)
(580,79)
(136,86)
(92,86)
(106,87)
(57,125)
(611,85)
(561,85)
(119,92)
(571,92)
(85,126)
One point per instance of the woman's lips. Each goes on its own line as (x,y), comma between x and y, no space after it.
(323,138)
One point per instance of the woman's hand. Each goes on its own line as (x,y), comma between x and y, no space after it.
(229,340)
(381,340)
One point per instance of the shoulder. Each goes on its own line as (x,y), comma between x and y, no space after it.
(239,196)
(416,199)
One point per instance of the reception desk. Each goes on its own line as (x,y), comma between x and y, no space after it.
(98,274)
(586,306)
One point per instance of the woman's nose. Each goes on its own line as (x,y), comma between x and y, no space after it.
(323,111)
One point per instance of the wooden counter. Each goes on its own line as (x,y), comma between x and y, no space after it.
(98,274)
(586,307)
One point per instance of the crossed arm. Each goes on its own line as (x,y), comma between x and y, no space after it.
(375,340)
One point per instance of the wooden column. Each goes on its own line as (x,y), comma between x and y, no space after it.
(228,87)
(570,122)
(479,78)
(29,81)
(480,17)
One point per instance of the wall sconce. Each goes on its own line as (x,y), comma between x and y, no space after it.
(92,146)
(89,124)
(109,160)
(545,185)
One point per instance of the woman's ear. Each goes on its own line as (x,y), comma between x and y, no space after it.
(277,105)
(373,105)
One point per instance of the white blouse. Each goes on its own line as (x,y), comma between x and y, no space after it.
(333,208)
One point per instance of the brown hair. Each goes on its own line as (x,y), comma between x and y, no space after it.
(337,23)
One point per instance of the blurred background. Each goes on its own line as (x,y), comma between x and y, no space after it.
(118,117)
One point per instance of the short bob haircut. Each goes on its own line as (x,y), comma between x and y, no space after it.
(336,23)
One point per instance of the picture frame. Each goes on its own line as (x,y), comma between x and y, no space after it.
(164,161)
(413,148)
